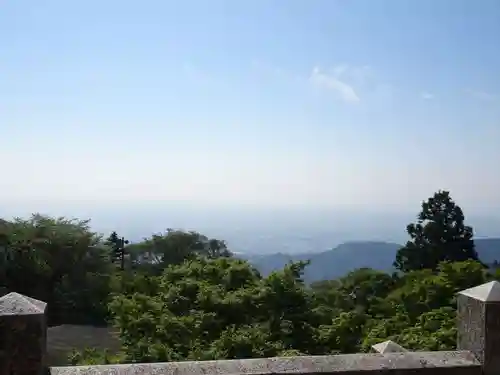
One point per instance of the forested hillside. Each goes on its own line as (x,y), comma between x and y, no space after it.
(349,256)
(180,295)
(333,263)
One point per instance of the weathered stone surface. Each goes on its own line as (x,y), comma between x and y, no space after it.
(478,325)
(388,346)
(17,304)
(444,363)
(22,335)
(488,292)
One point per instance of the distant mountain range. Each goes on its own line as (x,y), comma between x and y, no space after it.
(352,255)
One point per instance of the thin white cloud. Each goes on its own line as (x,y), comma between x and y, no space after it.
(482,95)
(334,83)
(351,84)
(427,95)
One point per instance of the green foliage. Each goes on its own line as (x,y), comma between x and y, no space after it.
(182,296)
(252,341)
(216,308)
(438,235)
(174,247)
(91,356)
(345,332)
(59,261)
(117,248)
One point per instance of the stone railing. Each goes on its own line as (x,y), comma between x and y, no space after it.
(23,348)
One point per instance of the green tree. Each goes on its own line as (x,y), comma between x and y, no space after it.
(286,305)
(188,308)
(433,330)
(187,298)
(420,291)
(345,332)
(217,308)
(421,313)
(251,341)
(173,247)
(328,300)
(59,261)
(117,246)
(365,287)
(438,235)
(388,328)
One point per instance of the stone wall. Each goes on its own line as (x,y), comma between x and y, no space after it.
(407,363)
(23,346)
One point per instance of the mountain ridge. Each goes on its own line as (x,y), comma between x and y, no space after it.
(351,255)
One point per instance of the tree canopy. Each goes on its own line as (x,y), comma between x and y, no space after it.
(439,234)
(182,295)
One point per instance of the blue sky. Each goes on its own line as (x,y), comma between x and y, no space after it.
(366,104)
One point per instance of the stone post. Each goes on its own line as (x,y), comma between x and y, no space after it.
(23,335)
(478,324)
(388,346)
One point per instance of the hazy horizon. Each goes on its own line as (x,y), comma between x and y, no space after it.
(254,230)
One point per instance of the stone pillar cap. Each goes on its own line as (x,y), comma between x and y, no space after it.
(488,292)
(17,304)
(388,346)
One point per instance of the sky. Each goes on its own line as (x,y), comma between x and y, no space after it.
(363,105)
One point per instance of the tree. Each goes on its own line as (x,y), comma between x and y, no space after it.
(217,308)
(365,286)
(438,235)
(59,261)
(433,330)
(345,332)
(287,306)
(329,300)
(196,302)
(117,245)
(174,247)
(187,309)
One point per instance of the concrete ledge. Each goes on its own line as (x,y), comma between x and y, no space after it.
(429,363)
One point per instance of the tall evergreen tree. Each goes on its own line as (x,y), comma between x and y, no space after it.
(117,245)
(438,235)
